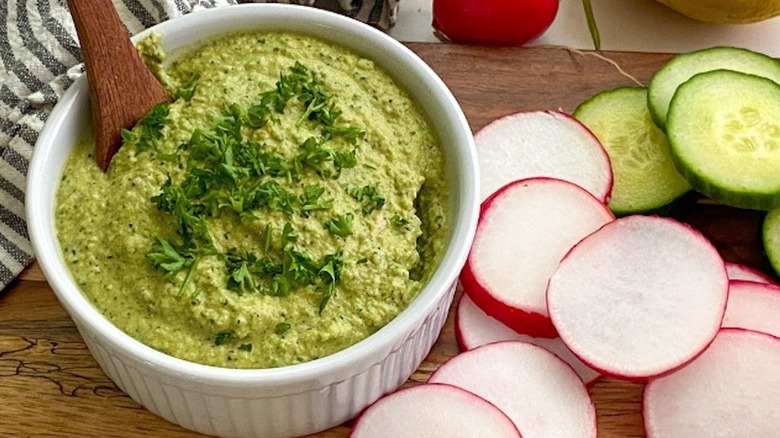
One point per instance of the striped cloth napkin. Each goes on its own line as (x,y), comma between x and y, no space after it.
(40,59)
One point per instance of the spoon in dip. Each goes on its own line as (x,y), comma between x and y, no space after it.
(121,87)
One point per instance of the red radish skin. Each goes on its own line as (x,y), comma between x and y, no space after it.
(524,230)
(542,144)
(538,391)
(493,22)
(433,410)
(736,271)
(732,390)
(753,306)
(474,328)
(639,298)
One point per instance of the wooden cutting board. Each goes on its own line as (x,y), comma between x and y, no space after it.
(51,387)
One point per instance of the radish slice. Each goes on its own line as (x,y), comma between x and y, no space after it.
(434,410)
(542,395)
(736,271)
(542,143)
(731,390)
(640,297)
(474,328)
(524,230)
(753,306)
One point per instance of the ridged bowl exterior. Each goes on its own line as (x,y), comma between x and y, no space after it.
(274,416)
(293,400)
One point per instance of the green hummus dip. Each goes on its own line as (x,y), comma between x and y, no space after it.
(289,203)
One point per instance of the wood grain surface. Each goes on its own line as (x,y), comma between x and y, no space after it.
(51,387)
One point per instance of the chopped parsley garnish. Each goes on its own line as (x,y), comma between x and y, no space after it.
(369,198)
(224,171)
(282,328)
(340,226)
(279,273)
(168,258)
(148,131)
(239,276)
(245,347)
(223,338)
(399,221)
(187,89)
(330,273)
(172,259)
(344,160)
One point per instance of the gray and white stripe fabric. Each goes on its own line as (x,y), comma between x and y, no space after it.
(378,13)
(40,59)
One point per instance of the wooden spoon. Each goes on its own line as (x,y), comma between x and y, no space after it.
(121,87)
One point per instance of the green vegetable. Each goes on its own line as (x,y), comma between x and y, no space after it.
(330,273)
(369,198)
(282,328)
(278,274)
(724,132)
(224,172)
(592,26)
(340,226)
(399,222)
(645,178)
(172,259)
(682,67)
(771,238)
(223,338)
(147,132)
(187,89)
(344,160)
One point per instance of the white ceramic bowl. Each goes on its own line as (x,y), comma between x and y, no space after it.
(292,400)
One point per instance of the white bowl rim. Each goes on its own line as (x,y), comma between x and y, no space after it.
(84,313)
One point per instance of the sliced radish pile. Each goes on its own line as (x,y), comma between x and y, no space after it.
(433,410)
(736,271)
(542,143)
(539,392)
(524,230)
(474,328)
(640,297)
(753,306)
(731,390)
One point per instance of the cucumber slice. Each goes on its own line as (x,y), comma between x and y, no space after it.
(645,176)
(724,132)
(771,238)
(683,67)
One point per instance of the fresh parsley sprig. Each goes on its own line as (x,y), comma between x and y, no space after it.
(187,89)
(368,197)
(288,269)
(227,172)
(147,132)
(340,226)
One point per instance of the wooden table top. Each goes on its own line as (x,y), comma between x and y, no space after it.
(51,387)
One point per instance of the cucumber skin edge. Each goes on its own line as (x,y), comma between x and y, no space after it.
(682,58)
(664,209)
(702,183)
(743,200)
(772,224)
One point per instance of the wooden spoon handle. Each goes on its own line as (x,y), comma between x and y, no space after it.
(121,88)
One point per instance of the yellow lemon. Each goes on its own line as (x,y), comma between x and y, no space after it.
(726,11)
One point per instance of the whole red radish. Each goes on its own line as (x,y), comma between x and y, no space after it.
(493,22)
